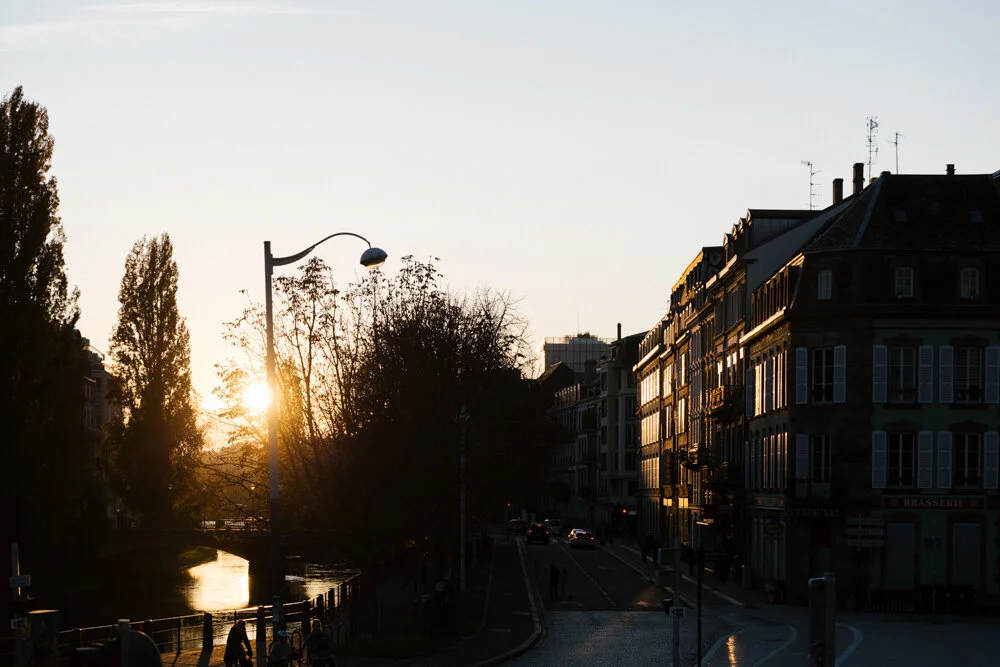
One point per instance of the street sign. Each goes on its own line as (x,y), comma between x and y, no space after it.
(19,623)
(677,611)
(864,521)
(867,531)
(20,581)
(865,542)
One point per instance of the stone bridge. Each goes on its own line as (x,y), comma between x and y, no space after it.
(251,544)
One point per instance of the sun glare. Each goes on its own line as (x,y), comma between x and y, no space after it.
(255,397)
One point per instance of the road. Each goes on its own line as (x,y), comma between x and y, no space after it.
(610,614)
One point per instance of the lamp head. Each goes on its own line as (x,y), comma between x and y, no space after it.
(373,258)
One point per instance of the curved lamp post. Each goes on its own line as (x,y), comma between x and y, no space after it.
(372,258)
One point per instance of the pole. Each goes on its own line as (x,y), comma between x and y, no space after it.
(676,645)
(277,566)
(701,573)
(461,515)
(15,570)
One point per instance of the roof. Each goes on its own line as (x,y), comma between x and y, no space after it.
(916,212)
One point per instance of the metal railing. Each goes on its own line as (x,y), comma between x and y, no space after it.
(197,632)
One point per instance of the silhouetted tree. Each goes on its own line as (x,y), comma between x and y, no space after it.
(50,492)
(155,442)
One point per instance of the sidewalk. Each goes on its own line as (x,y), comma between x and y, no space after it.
(501,612)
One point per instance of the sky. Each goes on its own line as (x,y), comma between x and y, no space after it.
(575,154)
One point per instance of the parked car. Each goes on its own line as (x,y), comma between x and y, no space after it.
(555,527)
(578,537)
(538,532)
(517,526)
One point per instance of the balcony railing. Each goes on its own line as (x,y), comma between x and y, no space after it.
(728,397)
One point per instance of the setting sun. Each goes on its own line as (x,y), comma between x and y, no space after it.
(255,396)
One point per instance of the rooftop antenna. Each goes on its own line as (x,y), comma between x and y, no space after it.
(812,173)
(872,143)
(895,143)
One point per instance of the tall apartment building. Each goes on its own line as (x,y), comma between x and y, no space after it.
(581,353)
(828,399)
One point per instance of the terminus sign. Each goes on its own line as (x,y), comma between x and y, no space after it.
(933,502)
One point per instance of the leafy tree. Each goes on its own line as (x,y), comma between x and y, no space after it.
(50,493)
(155,443)
(370,381)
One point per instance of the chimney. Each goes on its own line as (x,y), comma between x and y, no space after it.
(838,190)
(619,331)
(859,177)
(950,169)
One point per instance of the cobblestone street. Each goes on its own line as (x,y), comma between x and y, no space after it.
(626,638)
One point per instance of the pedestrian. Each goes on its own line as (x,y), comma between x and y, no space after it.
(281,650)
(319,647)
(564,583)
(649,547)
(236,655)
(554,581)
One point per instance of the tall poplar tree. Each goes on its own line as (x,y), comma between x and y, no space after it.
(155,443)
(47,477)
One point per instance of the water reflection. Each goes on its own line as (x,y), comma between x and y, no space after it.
(223,583)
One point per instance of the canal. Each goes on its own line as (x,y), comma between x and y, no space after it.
(154,585)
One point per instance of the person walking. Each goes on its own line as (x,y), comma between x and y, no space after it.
(235,654)
(319,646)
(554,581)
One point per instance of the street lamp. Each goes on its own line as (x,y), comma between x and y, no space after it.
(372,258)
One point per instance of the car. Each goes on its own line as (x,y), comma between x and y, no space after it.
(581,538)
(517,526)
(538,532)
(555,527)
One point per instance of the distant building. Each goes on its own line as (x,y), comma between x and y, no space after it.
(581,353)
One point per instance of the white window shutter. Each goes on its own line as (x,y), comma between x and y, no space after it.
(758,386)
(880,359)
(925,377)
(991,460)
(946,374)
(748,388)
(925,460)
(768,385)
(878,459)
(801,375)
(992,394)
(840,374)
(944,459)
(801,457)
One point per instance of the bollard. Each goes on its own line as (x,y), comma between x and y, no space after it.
(822,621)
(261,636)
(207,633)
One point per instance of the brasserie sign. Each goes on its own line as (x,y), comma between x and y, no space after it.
(933,502)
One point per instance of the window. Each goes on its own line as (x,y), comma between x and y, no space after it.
(902,375)
(819,458)
(900,459)
(824,284)
(822,375)
(967,456)
(970,283)
(904,282)
(968,375)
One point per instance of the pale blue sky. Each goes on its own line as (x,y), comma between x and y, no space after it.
(574,153)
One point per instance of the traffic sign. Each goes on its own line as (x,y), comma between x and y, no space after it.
(677,611)
(865,542)
(864,521)
(20,581)
(867,531)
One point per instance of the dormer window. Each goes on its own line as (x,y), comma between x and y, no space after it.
(904,282)
(824,284)
(970,283)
